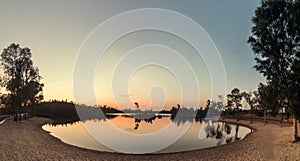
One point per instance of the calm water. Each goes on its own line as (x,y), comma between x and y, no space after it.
(214,133)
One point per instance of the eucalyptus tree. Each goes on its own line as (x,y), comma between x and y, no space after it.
(252,99)
(234,100)
(21,79)
(269,99)
(275,41)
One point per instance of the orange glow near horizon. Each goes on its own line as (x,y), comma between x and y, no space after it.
(144,127)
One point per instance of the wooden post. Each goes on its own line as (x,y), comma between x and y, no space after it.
(295,123)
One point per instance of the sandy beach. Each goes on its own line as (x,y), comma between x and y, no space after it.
(26,140)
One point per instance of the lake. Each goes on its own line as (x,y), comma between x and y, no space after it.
(213,133)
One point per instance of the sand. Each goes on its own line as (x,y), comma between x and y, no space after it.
(26,140)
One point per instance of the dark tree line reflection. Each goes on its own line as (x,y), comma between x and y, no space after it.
(221,131)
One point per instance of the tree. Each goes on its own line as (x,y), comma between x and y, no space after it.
(252,99)
(275,41)
(234,100)
(215,107)
(269,100)
(296,95)
(219,105)
(208,102)
(21,79)
(208,114)
(137,105)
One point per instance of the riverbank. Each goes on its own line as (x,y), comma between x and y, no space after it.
(26,140)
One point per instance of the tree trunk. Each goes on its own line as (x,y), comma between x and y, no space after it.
(281,118)
(236,132)
(34,110)
(237,114)
(251,115)
(295,124)
(298,128)
(265,116)
(15,113)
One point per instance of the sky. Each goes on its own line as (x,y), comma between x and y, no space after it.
(56,30)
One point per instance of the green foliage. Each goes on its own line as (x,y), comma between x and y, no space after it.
(252,99)
(269,99)
(275,40)
(21,79)
(234,100)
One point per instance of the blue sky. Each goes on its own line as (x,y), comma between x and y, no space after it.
(55,30)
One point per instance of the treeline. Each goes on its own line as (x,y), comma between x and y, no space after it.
(235,105)
(67,112)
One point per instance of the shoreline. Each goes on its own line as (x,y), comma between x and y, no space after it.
(229,121)
(26,140)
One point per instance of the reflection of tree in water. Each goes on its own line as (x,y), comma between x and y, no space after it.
(221,131)
(96,119)
(137,123)
(181,115)
(146,116)
(142,116)
(139,120)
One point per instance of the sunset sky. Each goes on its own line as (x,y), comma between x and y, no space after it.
(55,31)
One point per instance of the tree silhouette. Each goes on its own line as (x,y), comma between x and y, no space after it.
(269,99)
(21,79)
(275,41)
(234,100)
(137,105)
(207,104)
(252,100)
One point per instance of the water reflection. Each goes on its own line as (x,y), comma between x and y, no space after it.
(70,123)
(217,133)
(222,132)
